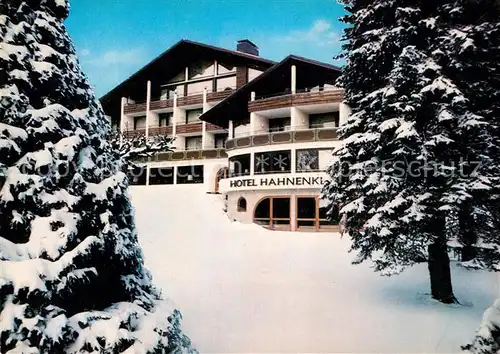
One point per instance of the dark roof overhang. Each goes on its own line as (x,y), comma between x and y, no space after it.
(169,63)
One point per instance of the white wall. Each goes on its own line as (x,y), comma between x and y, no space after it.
(209,142)
(198,87)
(223,69)
(259,123)
(324,158)
(344,113)
(179,143)
(154,119)
(299,119)
(179,115)
(224,82)
(253,73)
(208,69)
(242,130)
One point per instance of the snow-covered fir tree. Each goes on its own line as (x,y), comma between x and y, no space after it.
(487,337)
(72,276)
(417,151)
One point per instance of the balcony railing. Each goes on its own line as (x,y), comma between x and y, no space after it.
(192,98)
(282,137)
(215,153)
(196,127)
(300,98)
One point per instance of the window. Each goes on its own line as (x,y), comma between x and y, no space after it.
(306,212)
(139,122)
(193,115)
(189,174)
(220,141)
(239,165)
(163,175)
(272,162)
(279,124)
(193,143)
(311,216)
(324,120)
(137,176)
(165,119)
(307,160)
(242,204)
(273,212)
(167,93)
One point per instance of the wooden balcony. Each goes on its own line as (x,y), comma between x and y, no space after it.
(193,99)
(186,155)
(161,104)
(218,96)
(135,107)
(298,99)
(133,133)
(189,128)
(168,130)
(285,137)
(160,130)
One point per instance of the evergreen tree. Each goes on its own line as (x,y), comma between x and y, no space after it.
(72,276)
(416,151)
(487,337)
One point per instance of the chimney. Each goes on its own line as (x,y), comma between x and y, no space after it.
(246,46)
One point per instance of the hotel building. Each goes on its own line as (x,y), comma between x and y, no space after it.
(259,132)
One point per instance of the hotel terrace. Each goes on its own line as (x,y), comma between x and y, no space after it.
(259,132)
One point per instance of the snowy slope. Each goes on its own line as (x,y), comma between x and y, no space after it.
(245,289)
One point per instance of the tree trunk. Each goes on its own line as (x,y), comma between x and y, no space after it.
(467,236)
(440,273)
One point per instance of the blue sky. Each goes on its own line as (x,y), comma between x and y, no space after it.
(115,38)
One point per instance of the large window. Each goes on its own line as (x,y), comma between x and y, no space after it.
(167,93)
(239,165)
(137,176)
(279,124)
(139,122)
(189,174)
(193,142)
(311,216)
(193,115)
(273,212)
(165,119)
(324,120)
(220,141)
(307,160)
(163,175)
(272,162)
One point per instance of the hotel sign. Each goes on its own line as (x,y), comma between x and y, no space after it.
(288,181)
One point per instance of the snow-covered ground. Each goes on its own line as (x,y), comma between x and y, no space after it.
(244,289)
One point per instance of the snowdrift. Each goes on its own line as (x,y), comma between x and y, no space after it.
(242,288)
